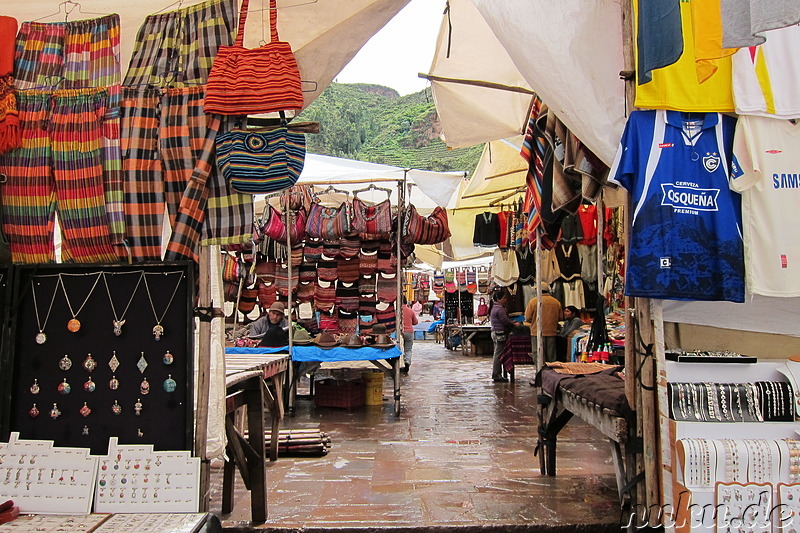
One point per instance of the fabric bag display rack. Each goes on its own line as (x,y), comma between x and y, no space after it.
(259,80)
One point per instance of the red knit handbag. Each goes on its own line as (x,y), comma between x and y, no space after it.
(259,80)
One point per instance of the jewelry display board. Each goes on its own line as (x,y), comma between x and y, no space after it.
(41,478)
(730,431)
(153,523)
(744,508)
(53,523)
(134,479)
(100,351)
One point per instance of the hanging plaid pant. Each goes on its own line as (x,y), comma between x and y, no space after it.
(61,167)
(168,148)
(178,47)
(68,55)
(169,141)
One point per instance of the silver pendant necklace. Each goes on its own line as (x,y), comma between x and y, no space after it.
(158,329)
(41,338)
(119,321)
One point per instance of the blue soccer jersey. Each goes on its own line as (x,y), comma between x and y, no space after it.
(686,240)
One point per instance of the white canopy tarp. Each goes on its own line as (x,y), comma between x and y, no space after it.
(467,56)
(568,52)
(432,188)
(325,34)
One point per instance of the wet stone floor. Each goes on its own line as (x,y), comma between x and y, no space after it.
(459,457)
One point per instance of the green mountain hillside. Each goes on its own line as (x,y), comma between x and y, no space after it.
(374,123)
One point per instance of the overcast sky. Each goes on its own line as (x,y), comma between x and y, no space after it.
(403,48)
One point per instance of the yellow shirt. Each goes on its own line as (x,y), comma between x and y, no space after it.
(676,87)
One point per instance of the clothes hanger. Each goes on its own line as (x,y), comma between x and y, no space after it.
(179,2)
(47,83)
(373,187)
(69,7)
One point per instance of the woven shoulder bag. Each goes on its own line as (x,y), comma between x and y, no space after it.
(327,223)
(259,80)
(258,161)
(432,229)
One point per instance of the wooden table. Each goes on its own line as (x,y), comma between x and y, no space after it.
(246,377)
(470,331)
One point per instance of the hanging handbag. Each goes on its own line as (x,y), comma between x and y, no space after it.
(483,309)
(260,162)
(328,223)
(275,225)
(259,80)
(247,300)
(432,229)
(230,268)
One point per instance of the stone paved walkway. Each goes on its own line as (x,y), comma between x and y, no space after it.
(460,456)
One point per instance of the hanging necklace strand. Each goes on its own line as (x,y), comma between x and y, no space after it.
(41,338)
(74,324)
(119,321)
(158,329)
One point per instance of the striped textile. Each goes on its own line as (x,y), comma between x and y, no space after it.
(365,324)
(267,295)
(349,246)
(328,223)
(367,284)
(68,55)
(329,323)
(348,270)
(312,251)
(177,48)
(308,272)
(368,262)
(324,297)
(387,288)
(388,318)
(533,149)
(387,262)
(347,298)
(348,322)
(259,162)
(330,249)
(282,282)
(60,167)
(265,269)
(327,270)
(167,143)
(259,80)
(367,304)
(228,213)
(305,291)
(372,222)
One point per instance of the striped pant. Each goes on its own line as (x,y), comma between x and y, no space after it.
(68,55)
(177,48)
(168,159)
(68,163)
(168,141)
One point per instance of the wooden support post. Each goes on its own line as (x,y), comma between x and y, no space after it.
(538,258)
(203,381)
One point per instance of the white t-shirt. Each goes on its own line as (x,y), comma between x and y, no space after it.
(766,171)
(766,78)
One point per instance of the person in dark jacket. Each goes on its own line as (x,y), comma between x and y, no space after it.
(501,326)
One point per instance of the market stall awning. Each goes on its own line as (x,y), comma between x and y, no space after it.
(479,92)
(568,52)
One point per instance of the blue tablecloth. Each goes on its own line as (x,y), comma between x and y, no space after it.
(258,349)
(367,353)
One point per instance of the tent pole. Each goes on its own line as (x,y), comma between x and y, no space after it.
(538,259)
(601,219)
(203,371)
(401,214)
